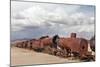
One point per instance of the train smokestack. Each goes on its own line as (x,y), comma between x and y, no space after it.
(73,35)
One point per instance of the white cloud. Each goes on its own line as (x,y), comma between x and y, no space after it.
(50,18)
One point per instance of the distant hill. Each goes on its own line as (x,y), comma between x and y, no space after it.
(19,40)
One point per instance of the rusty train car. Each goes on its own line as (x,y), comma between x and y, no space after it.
(92,43)
(72,45)
(35,44)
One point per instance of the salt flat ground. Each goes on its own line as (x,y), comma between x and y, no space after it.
(20,56)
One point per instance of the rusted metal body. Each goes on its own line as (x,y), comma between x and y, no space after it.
(68,45)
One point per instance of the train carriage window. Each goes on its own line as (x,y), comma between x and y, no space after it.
(22,42)
(83,47)
(30,42)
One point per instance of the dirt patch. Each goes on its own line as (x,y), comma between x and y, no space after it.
(20,56)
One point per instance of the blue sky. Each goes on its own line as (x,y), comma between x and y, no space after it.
(88,9)
(32,20)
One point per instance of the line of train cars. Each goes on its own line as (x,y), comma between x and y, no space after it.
(61,46)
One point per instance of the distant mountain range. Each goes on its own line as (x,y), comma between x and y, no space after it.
(20,39)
